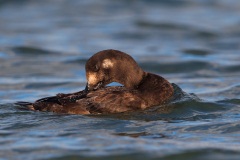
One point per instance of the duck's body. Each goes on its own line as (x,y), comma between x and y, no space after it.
(141,90)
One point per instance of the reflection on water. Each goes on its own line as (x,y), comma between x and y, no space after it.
(43,49)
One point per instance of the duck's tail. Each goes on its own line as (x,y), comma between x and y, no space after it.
(25,105)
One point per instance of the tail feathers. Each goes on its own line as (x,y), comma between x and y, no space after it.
(25,105)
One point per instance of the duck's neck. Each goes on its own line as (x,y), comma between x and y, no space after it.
(130,78)
(155,89)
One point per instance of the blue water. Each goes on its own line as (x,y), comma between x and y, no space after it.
(196,44)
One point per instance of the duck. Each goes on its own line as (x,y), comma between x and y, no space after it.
(140,89)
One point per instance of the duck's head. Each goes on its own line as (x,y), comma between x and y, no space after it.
(109,66)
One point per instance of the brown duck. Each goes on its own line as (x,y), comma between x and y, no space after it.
(140,89)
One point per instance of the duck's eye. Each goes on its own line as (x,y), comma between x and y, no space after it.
(96,68)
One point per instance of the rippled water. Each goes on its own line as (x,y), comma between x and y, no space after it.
(43,49)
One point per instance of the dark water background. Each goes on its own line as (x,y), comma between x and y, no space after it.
(196,44)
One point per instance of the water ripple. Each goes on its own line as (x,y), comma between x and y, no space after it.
(45,44)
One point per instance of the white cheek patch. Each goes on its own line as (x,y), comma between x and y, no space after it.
(92,78)
(107,63)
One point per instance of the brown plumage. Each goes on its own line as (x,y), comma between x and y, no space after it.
(140,89)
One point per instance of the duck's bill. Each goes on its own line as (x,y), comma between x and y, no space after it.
(90,87)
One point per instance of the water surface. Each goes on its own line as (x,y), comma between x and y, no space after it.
(43,49)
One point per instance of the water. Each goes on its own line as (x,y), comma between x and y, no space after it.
(196,44)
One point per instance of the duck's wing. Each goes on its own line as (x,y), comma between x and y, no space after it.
(113,100)
(61,103)
(52,99)
(62,98)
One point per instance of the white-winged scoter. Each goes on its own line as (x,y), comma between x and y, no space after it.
(140,89)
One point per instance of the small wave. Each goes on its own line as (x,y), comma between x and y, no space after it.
(27,50)
(230,69)
(229,92)
(198,52)
(37,85)
(189,30)
(231,101)
(76,60)
(175,67)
